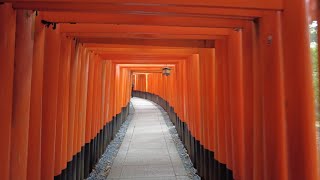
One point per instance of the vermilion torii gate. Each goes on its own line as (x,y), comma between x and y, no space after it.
(240,89)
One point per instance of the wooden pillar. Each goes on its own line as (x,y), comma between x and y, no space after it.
(66,56)
(221,145)
(83,107)
(7,51)
(72,102)
(76,135)
(206,88)
(185,108)
(257,116)
(108,91)
(273,103)
(226,112)
(208,107)
(103,93)
(89,115)
(116,87)
(299,95)
(61,124)
(50,98)
(248,50)
(112,90)
(235,61)
(78,122)
(101,108)
(93,116)
(95,111)
(21,95)
(102,112)
(193,111)
(34,149)
(59,119)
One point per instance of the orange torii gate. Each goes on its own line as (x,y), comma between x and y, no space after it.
(240,91)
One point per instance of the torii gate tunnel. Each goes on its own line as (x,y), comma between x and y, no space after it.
(240,91)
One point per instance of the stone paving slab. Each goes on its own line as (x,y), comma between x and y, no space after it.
(147,151)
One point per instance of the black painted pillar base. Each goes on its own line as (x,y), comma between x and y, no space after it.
(57,177)
(87,160)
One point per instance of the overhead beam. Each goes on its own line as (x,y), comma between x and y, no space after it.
(145,65)
(91,37)
(144,68)
(142,29)
(155,62)
(146,72)
(160,59)
(125,46)
(136,19)
(135,8)
(152,42)
(142,51)
(257,4)
(142,58)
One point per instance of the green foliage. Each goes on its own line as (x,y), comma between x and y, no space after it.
(315,63)
(315,73)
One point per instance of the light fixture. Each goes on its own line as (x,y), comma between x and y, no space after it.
(166,71)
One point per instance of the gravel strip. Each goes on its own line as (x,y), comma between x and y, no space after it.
(103,167)
(188,165)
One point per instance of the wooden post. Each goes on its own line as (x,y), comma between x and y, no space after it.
(89,115)
(34,149)
(61,125)
(72,101)
(83,107)
(21,95)
(299,95)
(257,115)
(221,154)
(248,50)
(50,101)
(7,51)
(76,145)
(235,61)
(208,106)
(273,102)
(66,55)
(227,116)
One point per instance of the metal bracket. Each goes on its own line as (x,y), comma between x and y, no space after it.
(269,39)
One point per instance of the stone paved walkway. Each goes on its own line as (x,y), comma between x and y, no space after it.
(147,151)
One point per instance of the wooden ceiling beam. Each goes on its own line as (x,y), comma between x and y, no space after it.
(145,65)
(125,46)
(146,72)
(144,68)
(152,42)
(144,59)
(155,62)
(121,58)
(133,8)
(140,50)
(114,37)
(141,29)
(256,4)
(145,51)
(137,19)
